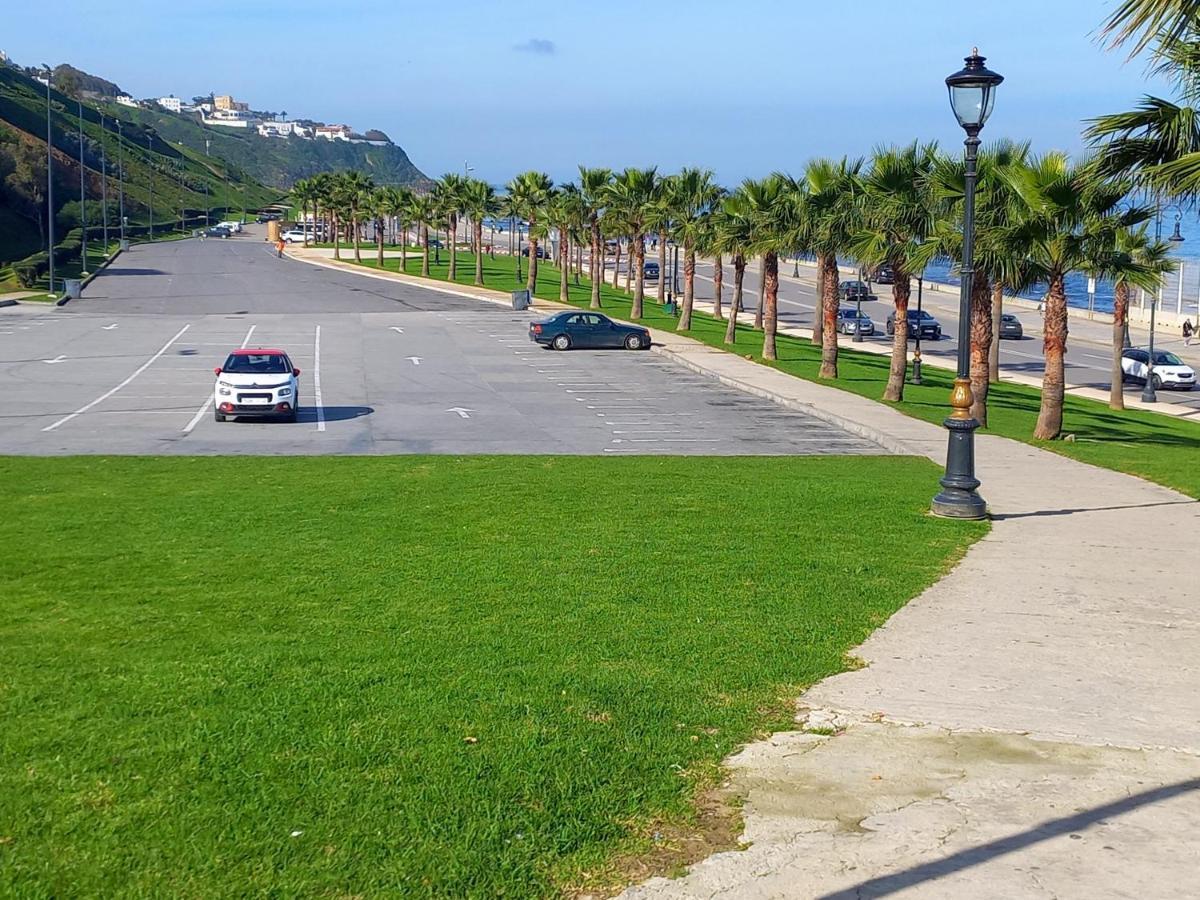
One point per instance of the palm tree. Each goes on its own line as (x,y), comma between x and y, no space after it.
(478,201)
(633,193)
(769,212)
(660,222)
(356,192)
(423,211)
(322,191)
(593,187)
(825,200)
(377,206)
(1145,21)
(693,194)
(399,202)
(529,193)
(306,192)
(898,213)
(733,234)
(567,211)
(708,244)
(448,193)
(1064,213)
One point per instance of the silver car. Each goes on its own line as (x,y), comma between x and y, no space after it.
(851,321)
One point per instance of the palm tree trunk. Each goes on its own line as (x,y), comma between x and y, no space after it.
(379,243)
(994,349)
(337,238)
(1054,348)
(1116,391)
(735,305)
(564,267)
(305,226)
(770,300)
(981,345)
(689,286)
(617,266)
(632,255)
(452,245)
(762,291)
(639,289)
(354,225)
(479,251)
(718,281)
(819,313)
(596,269)
(425,250)
(901,291)
(829,307)
(403,246)
(662,267)
(531,279)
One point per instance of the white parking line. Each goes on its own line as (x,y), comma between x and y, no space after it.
(187,429)
(142,368)
(317,380)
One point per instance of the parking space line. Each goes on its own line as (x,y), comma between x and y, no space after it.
(142,368)
(187,429)
(317,380)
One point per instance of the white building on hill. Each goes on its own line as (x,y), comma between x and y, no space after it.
(126,100)
(170,104)
(333,132)
(230,118)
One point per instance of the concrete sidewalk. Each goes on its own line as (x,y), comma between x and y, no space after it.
(1027,727)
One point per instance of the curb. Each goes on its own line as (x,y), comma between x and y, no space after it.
(883,439)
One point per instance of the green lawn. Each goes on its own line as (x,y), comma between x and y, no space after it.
(414,676)
(1155,446)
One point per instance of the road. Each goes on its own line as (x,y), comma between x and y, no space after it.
(386,368)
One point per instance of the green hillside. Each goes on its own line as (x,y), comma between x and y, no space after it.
(174,175)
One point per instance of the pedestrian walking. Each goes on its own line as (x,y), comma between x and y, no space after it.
(1189,331)
(279,248)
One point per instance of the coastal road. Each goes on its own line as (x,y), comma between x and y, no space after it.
(386,368)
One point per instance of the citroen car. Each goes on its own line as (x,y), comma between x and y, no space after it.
(568,330)
(259,383)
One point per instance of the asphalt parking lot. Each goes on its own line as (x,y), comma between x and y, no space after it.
(386,368)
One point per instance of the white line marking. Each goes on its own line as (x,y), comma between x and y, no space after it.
(397,330)
(142,368)
(462,413)
(110,327)
(56,359)
(651,431)
(317,380)
(415,360)
(187,429)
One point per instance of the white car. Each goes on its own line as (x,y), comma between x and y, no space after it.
(234,227)
(261,383)
(295,236)
(1169,370)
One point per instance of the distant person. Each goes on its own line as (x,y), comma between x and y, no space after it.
(1189,331)
(279,248)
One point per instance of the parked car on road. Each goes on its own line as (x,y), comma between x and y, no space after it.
(854,290)
(267,217)
(234,227)
(650,271)
(217,231)
(920,323)
(587,330)
(885,275)
(259,382)
(1010,327)
(541,252)
(295,236)
(1169,370)
(850,321)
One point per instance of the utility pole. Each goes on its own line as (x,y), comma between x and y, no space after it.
(150,164)
(103,183)
(121,176)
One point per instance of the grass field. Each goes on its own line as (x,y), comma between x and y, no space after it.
(1154,446)
(414,676)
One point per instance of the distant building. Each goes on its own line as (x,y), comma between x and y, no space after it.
(230,118)
(126,100)
(226,102)
(333,132)
(282,129)
(171,104)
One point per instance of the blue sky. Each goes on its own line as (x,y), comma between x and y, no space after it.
(743,88)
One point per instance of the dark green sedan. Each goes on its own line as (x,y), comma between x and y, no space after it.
(587,330)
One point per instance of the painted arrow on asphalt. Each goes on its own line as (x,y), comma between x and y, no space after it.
(462,413)
(398,330)
(416,360)
(110,327)
(56,359)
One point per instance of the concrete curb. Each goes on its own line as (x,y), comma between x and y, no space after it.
(883,439)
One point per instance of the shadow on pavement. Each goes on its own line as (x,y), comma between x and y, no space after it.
(974,856)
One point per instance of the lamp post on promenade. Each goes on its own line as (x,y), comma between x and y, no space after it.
(49,182)
(121,178)
(972,93)
(150,169)
(1149,392)
(82,199)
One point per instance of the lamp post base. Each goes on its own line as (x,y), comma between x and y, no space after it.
(958,498)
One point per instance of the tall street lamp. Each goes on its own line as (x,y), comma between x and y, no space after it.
(1149,392)
(972,93)
(49,182)
(103,183)
(150,167)
(916,372)
(82,197)
(121,177)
